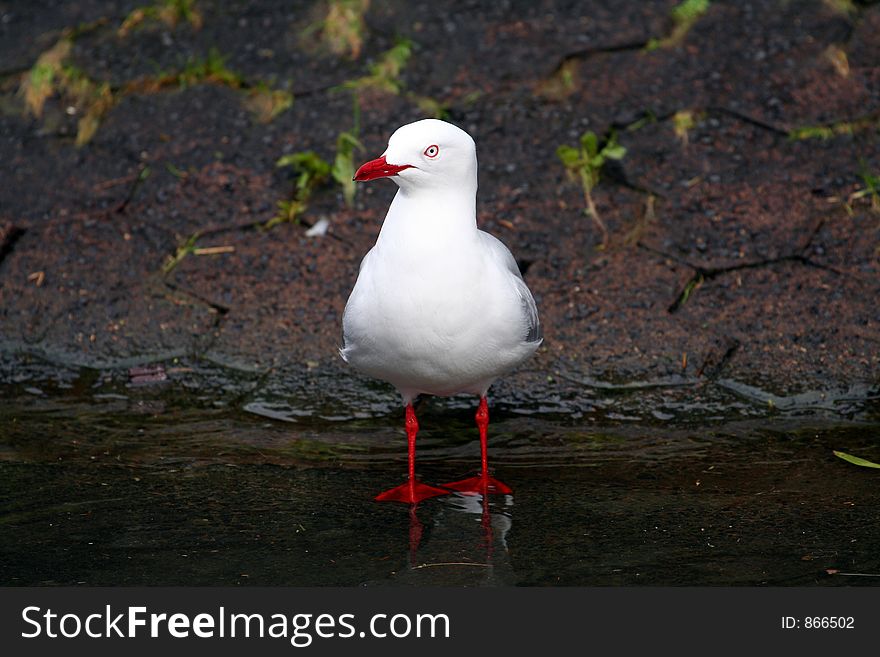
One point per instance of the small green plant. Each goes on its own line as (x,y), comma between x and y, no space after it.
(44,78)
(682,123)
(837,57)
(312,168)
(169,12)
(101,100)
(52,75)
(648,117)
(313,171)
(684,15)
(831,130)
(385,73)
(187,247)
(811,132)
(690,287)
(562,83)
(211,68)
(584,163)
(871,188)
(177,172)
(259,97)
(343,164)
(267,103)
(689,11)
(343,28)
(384,76)
(429,106)
(289,212)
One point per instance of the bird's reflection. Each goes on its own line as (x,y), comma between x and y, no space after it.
(416,528)
(465,542)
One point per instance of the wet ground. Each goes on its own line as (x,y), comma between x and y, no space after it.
(106,482)
(173,407)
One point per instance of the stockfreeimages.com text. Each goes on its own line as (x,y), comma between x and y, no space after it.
(300,629)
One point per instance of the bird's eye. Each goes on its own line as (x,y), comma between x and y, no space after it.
(432,151)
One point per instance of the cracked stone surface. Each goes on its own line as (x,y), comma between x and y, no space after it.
(95,302)
(781,264)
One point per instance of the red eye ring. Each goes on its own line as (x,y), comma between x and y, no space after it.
(432,151)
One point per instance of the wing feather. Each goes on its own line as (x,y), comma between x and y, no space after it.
(535,333)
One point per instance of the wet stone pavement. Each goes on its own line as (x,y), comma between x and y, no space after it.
(174,410)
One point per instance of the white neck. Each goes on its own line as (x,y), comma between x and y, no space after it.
(422,217)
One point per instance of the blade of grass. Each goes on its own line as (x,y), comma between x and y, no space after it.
(855,460)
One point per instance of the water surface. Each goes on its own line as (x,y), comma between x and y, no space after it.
(198,481)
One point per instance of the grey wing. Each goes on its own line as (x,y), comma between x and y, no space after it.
(530,311)
(344,349)
(535,333)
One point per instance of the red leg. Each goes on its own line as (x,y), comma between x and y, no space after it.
(412,491)
(482,484)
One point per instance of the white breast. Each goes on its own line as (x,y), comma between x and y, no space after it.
(436,312)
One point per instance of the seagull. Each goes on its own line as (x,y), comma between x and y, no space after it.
(439,307)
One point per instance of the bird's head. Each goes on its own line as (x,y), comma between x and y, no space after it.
(427,154)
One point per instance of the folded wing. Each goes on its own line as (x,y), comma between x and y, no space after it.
(503,255)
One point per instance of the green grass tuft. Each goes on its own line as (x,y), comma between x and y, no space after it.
(313,171)
(689,11)
(169,12)
(384,74)
(831,130)
(584,163)
(684,15)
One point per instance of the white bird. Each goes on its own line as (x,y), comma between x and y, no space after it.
(439,306)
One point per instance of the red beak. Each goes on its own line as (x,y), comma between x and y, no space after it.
(379,168)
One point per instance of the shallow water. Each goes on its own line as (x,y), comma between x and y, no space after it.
(202,480)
